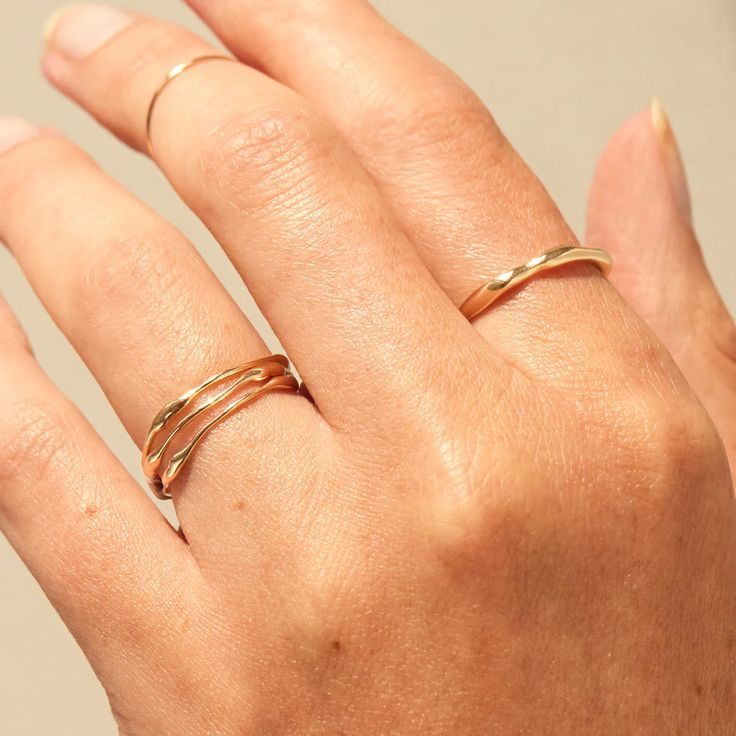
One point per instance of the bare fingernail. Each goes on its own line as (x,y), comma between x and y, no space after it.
(77,30)
(14,131)
(673,159)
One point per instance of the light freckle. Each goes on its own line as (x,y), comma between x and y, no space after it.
(90,509)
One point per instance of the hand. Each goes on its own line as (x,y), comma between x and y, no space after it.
(523,525)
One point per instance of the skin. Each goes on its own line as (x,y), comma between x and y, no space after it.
(523,525)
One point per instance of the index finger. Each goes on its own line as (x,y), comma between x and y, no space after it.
(468,201)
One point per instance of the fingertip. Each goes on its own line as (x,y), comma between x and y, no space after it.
(12,335)
(76,31)
(659,119)
(14,131)
(52,66)
(670,152)
(628,154)
(639,184)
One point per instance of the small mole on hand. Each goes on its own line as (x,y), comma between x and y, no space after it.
(336,646)
(89,509)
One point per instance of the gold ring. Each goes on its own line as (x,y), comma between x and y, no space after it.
(255,379)
(484,296)
(177,71)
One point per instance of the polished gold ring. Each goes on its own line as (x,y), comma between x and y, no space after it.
(244,385)
(177,71)
(485,295)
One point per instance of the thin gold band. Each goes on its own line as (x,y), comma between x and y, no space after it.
(484,296)
(252,380)
(177,71)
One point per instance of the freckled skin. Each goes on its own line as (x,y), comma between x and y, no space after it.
(520,526)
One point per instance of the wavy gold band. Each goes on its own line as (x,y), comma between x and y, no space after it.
(244,384)
(175,72)
(484,296)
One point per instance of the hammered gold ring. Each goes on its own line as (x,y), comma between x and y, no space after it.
(210,402)
(485,295)
(175,72)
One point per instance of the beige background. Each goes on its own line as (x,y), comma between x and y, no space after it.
(559,76)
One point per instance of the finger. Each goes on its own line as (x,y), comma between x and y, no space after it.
(289,203)
(135,299)
(469,203)
(640,207)
(108,561)
(133,276)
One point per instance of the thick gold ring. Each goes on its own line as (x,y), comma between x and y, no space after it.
(485,295)
(177,71)
(244,384)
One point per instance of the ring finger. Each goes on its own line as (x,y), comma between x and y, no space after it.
(133,296)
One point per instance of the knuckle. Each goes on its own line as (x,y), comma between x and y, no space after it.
(122,272)
(476,513)
(30,172)
(652,460)
(462,501)
(667,449)
(267,155)
(443,116)
(674,429)
(36,439)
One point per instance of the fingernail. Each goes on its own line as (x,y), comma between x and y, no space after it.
(673,159)
(78,30)
(14,131)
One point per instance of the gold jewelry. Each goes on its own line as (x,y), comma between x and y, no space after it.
(177,71)
(257,378)
(484,296)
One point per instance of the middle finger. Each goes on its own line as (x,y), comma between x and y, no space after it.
(285,196)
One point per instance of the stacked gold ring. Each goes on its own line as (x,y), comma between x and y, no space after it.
(245,384)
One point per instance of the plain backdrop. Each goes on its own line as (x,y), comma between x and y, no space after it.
(559,76)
